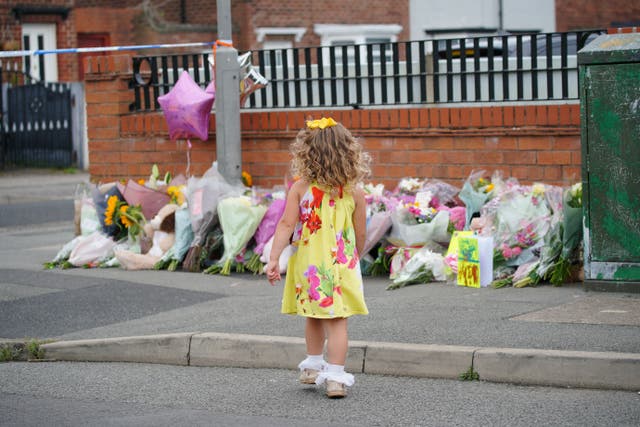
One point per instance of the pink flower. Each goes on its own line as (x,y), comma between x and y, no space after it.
(341,257)
(314,281)
(452,261)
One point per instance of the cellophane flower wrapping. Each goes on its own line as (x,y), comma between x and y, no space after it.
(522,219)
(184,238)
(476,191)
(399,259)
(567,238)
(91,250)
(265,231)
(239,219)
(380,206)
(377,227)
(444,194)
(407,231)
(552,241)
(89,221)
(101,195)
(203,195)
(424,266)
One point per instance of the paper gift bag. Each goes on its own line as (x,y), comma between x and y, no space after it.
(475,261)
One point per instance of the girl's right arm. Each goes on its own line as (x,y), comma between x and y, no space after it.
(284,230)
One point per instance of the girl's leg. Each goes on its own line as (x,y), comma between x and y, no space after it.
(314,336)
(337,340)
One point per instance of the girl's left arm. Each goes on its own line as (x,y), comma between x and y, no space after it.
(360,219)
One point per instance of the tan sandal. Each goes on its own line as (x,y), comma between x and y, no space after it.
(336,389)
(308,376)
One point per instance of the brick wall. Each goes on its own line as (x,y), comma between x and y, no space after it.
(586,14)
(531,143)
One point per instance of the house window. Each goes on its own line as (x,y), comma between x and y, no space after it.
(279,45)
(348,35)
(279,38)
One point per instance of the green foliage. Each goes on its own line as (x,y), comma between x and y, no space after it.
(8,353)
(34,350)
(469,375)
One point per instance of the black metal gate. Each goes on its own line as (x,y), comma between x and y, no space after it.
(37,128)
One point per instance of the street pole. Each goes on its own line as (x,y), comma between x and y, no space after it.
(227,104)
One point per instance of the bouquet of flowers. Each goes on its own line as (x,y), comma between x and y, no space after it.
(520,222)
(476,191)
(265,231)
(379,209)
(444,194)
(183,236)
(128,219)
(424,266)
(418,224)
(239,219)
(406,190)
(409,186)
(203,195)
(568,239)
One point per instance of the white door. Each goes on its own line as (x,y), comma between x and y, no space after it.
(38,37)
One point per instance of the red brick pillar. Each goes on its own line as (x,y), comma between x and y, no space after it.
(108,98)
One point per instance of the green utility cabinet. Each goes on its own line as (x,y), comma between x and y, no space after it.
(609,70)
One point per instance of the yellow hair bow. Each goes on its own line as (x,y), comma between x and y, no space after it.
(321,123)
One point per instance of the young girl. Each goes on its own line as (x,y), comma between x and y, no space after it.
(325,213)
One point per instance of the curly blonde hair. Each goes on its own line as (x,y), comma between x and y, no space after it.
(332,157)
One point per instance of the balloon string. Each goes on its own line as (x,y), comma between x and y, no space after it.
(188,156)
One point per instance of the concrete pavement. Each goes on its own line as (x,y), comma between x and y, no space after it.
(545,336)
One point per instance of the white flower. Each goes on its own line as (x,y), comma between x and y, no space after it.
(409,184)
(374,190)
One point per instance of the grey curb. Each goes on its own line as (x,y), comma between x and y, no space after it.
(604,370)
(170,349)
(559,368)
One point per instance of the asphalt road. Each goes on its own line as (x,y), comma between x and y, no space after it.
(116,394)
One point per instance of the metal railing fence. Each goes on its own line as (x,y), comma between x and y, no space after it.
(504,68)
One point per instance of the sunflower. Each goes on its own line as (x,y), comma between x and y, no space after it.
(123,216)
(246,179)
(111,210)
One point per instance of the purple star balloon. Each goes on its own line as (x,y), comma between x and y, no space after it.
(187,109)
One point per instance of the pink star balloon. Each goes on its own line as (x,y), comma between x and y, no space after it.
(187,109)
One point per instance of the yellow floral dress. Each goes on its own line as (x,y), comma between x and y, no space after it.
(323,275)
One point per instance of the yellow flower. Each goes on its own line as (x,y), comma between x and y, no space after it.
(123,216)
(111,210)
(176,194)
(488,188)
(141,181)
(537,189)
(321,123)
(247,179)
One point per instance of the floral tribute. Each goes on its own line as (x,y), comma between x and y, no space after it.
(536,229)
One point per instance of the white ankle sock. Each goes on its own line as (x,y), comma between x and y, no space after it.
(313,361)
(335,373)
(319,358)
(335,368)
